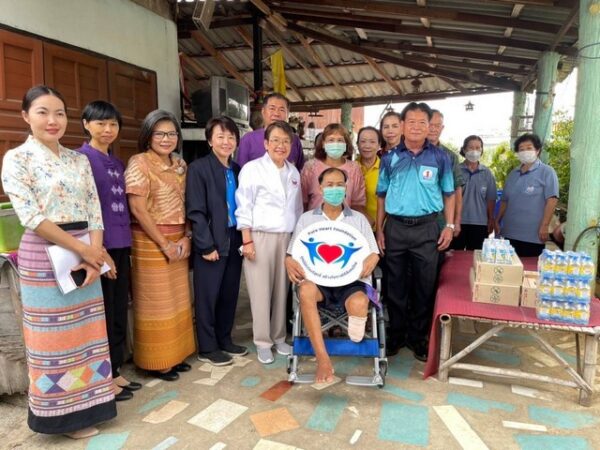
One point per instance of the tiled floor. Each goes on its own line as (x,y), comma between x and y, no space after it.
(250,406)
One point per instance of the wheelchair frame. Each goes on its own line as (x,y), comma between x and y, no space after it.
(372,346)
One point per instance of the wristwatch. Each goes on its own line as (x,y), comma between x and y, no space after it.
(451,226)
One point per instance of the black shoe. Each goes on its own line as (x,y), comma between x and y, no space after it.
(123,395)
(216,358)
(235,350)
(171,375)
(420,350)
(392,347)
(132,386)
(182,367)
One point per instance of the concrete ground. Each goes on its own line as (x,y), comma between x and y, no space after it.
(250,406)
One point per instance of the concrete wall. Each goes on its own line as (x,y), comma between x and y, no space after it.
(119,29)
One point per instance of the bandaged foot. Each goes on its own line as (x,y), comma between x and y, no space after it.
(356,328)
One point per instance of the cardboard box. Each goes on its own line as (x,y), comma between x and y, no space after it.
(505,274)
(498,294)
(529,294)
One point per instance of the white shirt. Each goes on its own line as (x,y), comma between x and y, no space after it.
(262,202)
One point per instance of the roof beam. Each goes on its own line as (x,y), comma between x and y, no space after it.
(391,26)
(193,66)
(404,46)
(324,69)
(362,101)
(387,9)
(229,67)
(274,34)
(248,40)
(407,47)
(383,74)
(568,24)
(461,76)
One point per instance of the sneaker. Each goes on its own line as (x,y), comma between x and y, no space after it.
(235,350)
(419,350)
(265,355)
(216,358)
(283,348)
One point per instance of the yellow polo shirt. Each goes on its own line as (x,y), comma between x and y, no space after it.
(371,175)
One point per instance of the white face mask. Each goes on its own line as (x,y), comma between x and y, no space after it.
(473,155)
(527,156)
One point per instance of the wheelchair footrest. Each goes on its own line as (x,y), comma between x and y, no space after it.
(338,347)
(355,380)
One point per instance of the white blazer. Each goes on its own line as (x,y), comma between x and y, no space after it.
(262,203)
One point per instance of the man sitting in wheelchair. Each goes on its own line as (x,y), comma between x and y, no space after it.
(354,295)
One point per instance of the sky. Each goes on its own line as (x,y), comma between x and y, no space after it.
(491,113)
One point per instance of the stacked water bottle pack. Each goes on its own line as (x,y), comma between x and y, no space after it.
(565,287)
(497,251)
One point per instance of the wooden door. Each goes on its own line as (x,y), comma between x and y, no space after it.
(20,68)
(133,92)
(81,78)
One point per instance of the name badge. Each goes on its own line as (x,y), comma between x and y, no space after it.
(428,174)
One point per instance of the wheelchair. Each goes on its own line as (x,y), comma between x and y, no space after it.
(372,345)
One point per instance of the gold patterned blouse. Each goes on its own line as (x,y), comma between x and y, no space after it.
(162,185)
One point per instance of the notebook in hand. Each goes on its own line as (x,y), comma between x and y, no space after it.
(63,261)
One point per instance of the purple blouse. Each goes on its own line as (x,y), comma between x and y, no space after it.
(110,183)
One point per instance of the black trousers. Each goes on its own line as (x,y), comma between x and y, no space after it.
(471,237)
(216,290)
(525,249)
(116,299)
(411,260)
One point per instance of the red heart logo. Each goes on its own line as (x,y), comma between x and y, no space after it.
(329,252)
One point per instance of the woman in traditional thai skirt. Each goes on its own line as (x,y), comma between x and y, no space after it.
(101,122)
(162,308)
(53,192)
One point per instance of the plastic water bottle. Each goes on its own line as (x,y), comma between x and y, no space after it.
(574,263)
(542,309)
(571,289)
(558,288)
(586,269)
(561,264)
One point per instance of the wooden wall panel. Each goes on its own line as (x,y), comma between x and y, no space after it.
(20,68)
(80,78)
(133,92)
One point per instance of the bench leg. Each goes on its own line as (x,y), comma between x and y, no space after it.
(590,354)
(445,345)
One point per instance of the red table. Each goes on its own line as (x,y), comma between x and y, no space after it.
(453,300)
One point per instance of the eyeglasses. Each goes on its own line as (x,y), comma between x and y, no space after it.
(277,142)
(160,135)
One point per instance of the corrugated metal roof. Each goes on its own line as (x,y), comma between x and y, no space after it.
(357,78)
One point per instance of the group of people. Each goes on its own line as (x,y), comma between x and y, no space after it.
(405,193)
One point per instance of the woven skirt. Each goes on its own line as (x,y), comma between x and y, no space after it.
(162,307)
(70,382)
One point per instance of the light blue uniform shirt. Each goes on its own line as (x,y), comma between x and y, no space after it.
(413,184)
(525,195)
(479,189)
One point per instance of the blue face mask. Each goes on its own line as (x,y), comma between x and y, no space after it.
(334,195)
(335,150)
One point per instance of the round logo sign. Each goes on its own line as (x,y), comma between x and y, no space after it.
(331,253)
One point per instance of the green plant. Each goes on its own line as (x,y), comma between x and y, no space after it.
(559,149)
(502,161)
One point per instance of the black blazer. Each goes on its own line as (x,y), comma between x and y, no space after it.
(206,204)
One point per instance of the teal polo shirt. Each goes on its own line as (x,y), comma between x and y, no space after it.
(413,185)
